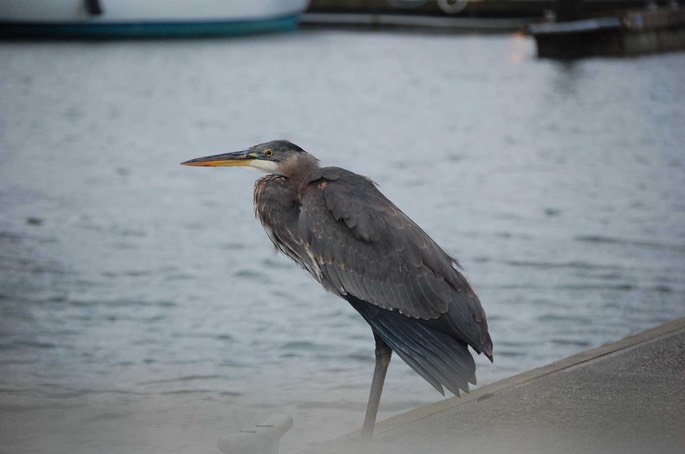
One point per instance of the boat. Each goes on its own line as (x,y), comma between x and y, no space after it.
(147,18)
(623,33)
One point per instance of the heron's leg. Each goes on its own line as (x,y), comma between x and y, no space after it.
(383,354)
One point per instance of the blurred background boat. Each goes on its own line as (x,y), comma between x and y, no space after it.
(151,18)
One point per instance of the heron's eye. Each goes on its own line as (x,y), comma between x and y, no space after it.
(268,152)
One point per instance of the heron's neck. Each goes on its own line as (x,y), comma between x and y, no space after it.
(298,168)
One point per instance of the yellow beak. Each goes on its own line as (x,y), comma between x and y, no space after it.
(236,159)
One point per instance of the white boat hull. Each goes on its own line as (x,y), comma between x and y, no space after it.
(156,17)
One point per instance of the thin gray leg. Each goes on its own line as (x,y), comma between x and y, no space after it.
(383,354)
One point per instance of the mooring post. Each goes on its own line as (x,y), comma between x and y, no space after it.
(94,7)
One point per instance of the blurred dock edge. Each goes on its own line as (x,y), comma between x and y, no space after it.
(563,29)
(441,16)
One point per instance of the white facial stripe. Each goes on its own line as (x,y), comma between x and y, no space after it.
(266,166)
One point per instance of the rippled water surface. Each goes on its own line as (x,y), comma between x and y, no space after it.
(143,308)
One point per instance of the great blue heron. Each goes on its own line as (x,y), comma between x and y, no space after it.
(360,246)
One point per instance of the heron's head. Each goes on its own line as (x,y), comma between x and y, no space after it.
(279,156)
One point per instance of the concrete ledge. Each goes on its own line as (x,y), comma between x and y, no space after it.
(490,390)
(624,397)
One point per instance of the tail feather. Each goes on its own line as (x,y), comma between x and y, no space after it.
(439,358)
(449,362)
(420,365)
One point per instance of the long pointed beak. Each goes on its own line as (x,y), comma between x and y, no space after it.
(236,159)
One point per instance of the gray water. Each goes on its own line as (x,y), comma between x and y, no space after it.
(143,308)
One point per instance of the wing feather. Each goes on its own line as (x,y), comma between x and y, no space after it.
(354,241)
(366,246)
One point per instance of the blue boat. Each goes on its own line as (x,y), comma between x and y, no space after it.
(147,18)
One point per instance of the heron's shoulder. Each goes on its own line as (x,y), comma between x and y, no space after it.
(338,174)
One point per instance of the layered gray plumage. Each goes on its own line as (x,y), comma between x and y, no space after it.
(360,246)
